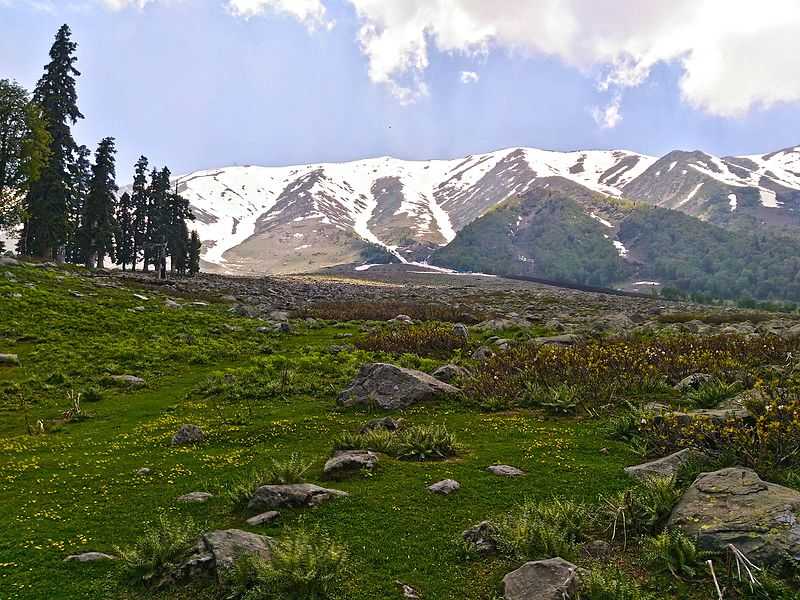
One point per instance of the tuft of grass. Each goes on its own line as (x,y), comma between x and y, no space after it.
(418,442)
(673,552)
(306,565)
(610,583)
(282,471)
(423,339)
(640,509)
(712,392)
(158,550)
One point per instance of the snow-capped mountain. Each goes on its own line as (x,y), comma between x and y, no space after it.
(300,218)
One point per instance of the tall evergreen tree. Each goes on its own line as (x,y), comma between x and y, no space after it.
(46,203)
(100,219)
(126,254)
(81,171)
(178,213)
(139,204)
(154,231)
(193,266)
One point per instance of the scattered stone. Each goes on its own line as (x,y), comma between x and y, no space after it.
(551,579)
(137,309)
(293,495)
(793,333)
(170,303)
(265,518)
(693,382)
(387,423)
(7,261)
(144,471)
(217,552)
(483,538)
(505,470)
(566,339)
(131,380)
(597,549)
(141,297)
(482,354)
(409,593)
(279,315)
(501,324)
(89,557)
(188,434)
(402,319)
(283,327)
(734,506)
(445,487)
(346,463)
(392,387)
(76,294)
(461,331)
(9,360)
(450,373)
(195,497)
(665,467)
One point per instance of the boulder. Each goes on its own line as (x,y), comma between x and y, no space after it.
(265,518)
(402,319)
(793,333)
(195,497)
(188,434)
(505,471)
(11,360)
(130,380)
(664,467)
(386,423)
(461,331)
(482,354)
(89,557)
(292,495)
(346,463)
(216,553)
(449,373)
(169,303)
(693,382)
(7,261)
(445,487)
(566,339)
(734,506)
(392,387)
(482,537)
(551,579)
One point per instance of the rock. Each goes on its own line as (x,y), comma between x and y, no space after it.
(141,297)
(461,331)
(402,319)
(195,497)
(502,343)
(551,579)
(346,463)
(449,373)
(265,518)
(445,487)
(144,471)
(505,471)
(793,333)
(566,339)
(409,593)
(188,434)
(482,354)
(217,552)
(665,467)
(169,303)
(282,327)
(9,360)
(392,387)
(693,382)
(7,261)
(597,549)
(483,537)
(130,380)
(89,557)
(279,315)
(501,324)
(387,423)
(293,495)
(734,506)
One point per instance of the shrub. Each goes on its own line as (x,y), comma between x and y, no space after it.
(712,392)
(543,529)
(424,339)
(608,583)
(673,552)
(158,550)
(418,442)
(643,508)
(305,565)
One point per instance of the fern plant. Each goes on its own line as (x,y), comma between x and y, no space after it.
(673,552)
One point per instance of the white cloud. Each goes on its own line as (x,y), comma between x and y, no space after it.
(122,4)
(311,13)
(609,116)
(469,77)
(734,54)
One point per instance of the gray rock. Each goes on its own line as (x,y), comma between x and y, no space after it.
(279,315)
(195,497)
(9,360)
(734,506)
(402,319)
(131,380)
(265,518)
(188,434)
(347,463)
(392,387)
(482,354)
(566,339)
(409,593)
(664,467)
(449,373)
(597,549)
(505,470)
(460,330)
(793,333)
(387,423)
(144,471)
(501,324)
(89,557)
(445,487)
(217,552)
(551,579)
(293,495)
(482,537)
(169,303)
(693,382)
(7,261)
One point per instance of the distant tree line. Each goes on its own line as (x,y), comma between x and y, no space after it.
(68,206)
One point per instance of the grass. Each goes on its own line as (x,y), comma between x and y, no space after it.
(384,311)
(418,442)
(75,486)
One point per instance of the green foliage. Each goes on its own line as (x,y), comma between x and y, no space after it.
(306,565)
(158,550)
(418,442)
(423,339)
(643,508)
(712,392)
(673,552)
(377,254)
(609,583)
(544,528)
(383,310)
(239,490)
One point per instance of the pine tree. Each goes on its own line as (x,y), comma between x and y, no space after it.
(178,212)
(81,174)
(193,267)
(46,204)
(152,237)
(99,217)
(139,203)
(126,254)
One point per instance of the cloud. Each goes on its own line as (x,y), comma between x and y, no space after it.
(469,77)
(734,54)
(122,4)
(311,13)
(609,116)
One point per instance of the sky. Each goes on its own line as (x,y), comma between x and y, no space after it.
(196,84)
